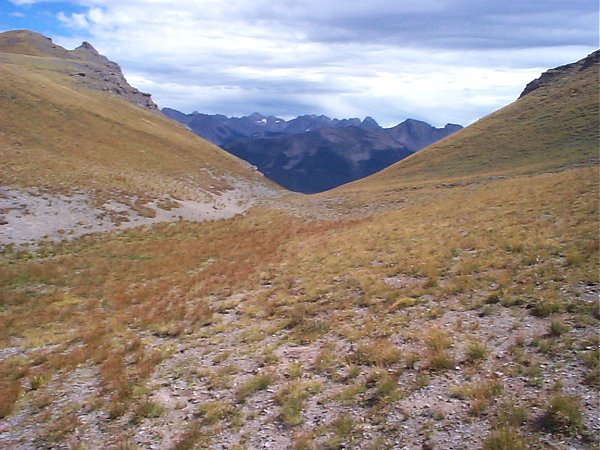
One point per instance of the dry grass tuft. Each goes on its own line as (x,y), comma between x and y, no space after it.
(505,438)
(291,398)
(257,383)
(563,415)
(438,357)
(381,352)
(9,393)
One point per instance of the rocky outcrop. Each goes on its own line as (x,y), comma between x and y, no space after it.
(88,67)
(101,73)
(553,75)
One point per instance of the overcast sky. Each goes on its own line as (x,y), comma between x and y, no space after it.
(435,60)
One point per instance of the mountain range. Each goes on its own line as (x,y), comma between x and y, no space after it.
(313,153)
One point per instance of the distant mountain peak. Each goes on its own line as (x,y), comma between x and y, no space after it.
(85,45)
(369,123)
(453,127)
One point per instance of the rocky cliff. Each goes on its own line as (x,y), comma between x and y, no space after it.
(97,71)
(90,69)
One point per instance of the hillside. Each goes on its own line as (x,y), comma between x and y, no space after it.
(451,309)
(73,129)
(553,127)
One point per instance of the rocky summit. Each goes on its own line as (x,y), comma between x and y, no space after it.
(85,64)
(98,71)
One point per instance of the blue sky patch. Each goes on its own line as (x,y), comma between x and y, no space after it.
(41,17)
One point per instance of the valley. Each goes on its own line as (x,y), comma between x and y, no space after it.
(449,301)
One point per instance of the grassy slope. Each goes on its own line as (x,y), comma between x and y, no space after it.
(551,128)
(497,271)
(57,134)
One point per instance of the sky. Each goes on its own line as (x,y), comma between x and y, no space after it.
(434,60)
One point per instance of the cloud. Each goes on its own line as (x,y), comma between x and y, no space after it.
(73,20)
(436,60)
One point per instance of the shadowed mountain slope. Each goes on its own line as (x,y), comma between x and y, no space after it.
(416,134)
(313,153)
(315,161)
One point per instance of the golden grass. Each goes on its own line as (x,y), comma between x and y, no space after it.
(93,296)
(380,352)
(551,128)
(505,438)
(24,42)
(9,393)
(57,135)
(97,298)
(291,401)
